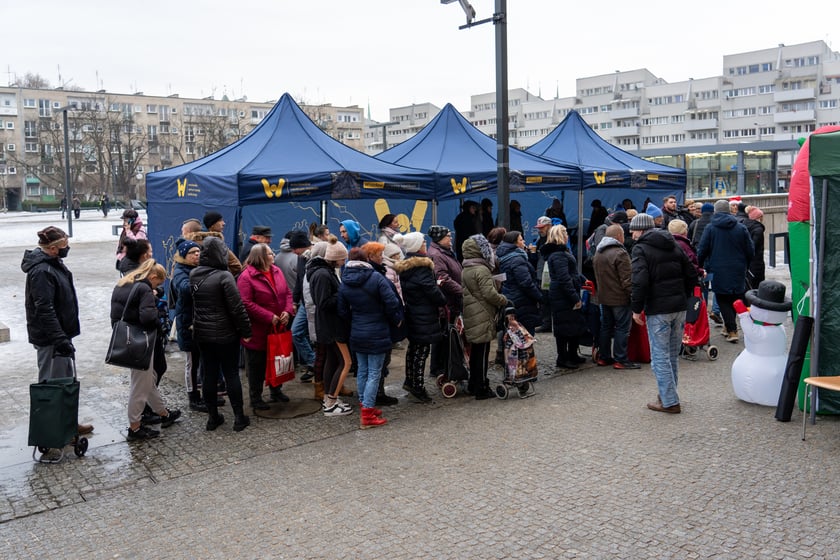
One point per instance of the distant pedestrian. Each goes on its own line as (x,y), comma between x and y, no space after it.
(77,207)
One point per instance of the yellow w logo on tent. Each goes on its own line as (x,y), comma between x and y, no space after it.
(459,188)
(182,186)
(600,178)
(272,191)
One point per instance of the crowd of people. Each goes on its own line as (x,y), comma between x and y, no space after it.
(349,301)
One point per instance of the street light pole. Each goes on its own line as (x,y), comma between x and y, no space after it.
(499,19)
(68,188)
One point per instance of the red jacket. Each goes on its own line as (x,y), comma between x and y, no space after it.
(262,301)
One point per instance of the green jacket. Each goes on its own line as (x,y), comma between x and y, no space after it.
(481,298)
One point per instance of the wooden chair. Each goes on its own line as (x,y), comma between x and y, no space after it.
(831,383)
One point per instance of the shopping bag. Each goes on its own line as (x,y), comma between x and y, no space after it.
(279,359)
(131,346)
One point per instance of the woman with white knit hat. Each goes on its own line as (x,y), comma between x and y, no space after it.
(423,300)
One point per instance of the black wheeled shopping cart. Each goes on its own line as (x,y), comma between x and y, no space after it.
(54,418)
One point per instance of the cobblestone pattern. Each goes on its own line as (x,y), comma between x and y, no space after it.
(581,470)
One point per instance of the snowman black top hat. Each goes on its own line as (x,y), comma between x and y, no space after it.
(770,295)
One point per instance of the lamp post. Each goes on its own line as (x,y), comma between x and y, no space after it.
(499,19)
(68,189)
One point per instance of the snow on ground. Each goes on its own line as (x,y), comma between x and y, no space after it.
(19,229)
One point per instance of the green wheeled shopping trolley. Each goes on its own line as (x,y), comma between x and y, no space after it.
(54,418)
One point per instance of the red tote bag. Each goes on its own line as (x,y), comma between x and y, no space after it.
(638,347)
(279,359)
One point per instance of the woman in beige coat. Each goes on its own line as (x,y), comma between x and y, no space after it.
(482,302)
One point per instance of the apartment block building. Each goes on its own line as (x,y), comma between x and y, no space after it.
(115,139)
(736,132)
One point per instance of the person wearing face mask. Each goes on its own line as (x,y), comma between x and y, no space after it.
(52,309)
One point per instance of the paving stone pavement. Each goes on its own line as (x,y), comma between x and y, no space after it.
(580,470)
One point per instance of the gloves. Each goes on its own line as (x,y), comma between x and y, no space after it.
(739,307)
(65,348)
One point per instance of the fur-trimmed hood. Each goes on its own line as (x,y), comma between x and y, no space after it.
(413,262)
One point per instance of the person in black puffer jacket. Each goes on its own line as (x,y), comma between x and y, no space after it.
(423,300)
(219,321)
(134,300)
(662,278)
(564,292)
(755,271)
(521,285)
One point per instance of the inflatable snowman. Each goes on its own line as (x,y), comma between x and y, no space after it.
(758,371)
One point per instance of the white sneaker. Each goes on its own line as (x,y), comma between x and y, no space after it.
(338,409)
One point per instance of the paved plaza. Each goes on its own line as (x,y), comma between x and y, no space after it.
(580,470)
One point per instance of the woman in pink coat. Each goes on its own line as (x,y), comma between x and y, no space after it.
(268,301)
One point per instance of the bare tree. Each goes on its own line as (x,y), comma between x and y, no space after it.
(33,80)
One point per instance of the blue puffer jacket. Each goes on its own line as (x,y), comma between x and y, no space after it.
(726,250)
(180,294)
(369,303)
(521,285)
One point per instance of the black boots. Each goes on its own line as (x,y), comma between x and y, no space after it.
(240,421)
(196,402)
(381,398)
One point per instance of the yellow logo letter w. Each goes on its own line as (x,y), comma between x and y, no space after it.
(459,188)
(272,191)
(600,178)
(182,186)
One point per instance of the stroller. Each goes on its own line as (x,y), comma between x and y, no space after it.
(696,333)
(457,368)
(520,361)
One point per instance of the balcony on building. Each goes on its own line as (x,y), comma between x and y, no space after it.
(624,131)
(692,125)
(786,117)
(628,113)
(794,95)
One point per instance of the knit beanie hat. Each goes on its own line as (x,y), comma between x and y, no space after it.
(641,222)
(319,249)
(721,206)
(410,242)
(484,246)
(392,250)
(755,213)
(211,218)
(511,237)
(50,235)
(653,211)
(298,239)
(335,251)
(436,233)
(185,246)
(707,207)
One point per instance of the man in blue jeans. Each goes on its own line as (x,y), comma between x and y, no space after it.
(662,278)
(613,281)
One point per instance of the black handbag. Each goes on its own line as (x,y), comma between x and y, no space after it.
(131,345)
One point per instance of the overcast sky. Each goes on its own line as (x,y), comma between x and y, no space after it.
(383,53)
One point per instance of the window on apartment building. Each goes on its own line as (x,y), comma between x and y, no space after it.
(31,147)
(44,108)
(828,104)
(30,103)
(10,147)
(151,109)
(767,88)
(753,68)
